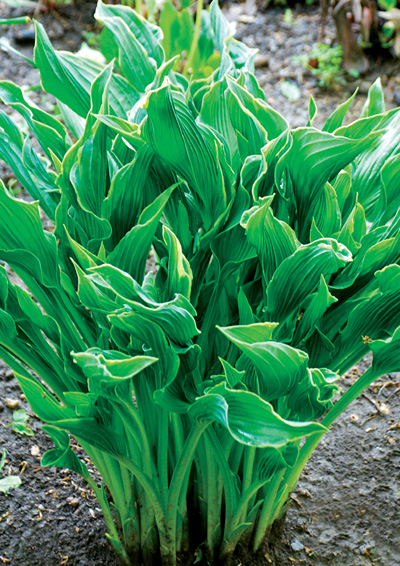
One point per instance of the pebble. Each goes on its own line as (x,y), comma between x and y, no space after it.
(8,374)
(261,60)
(73,501)
(12,403)
(296,545)
(35,450)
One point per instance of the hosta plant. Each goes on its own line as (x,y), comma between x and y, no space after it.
(200,387)
(186,35)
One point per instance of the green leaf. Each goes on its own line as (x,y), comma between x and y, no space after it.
(322,155)
(268,118)
(178,28)
(273,239)
(249,419)
(126,196)
(180,276)
(62,455)
(335,120)
(314,307)
(131,253)
(48,130)
(186,150)
(152,335)
(375,318)
(386,354)
(175,318)
(134,59)
(299,276)
(312,396)
(18,424)
(106,368)
(21,234)
(312,110)
(389,176)
(369,164)
(375,103)
(215,113)
(278,365)
(27,167)
(147,34)
(69,78)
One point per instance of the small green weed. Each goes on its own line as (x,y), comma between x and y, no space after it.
(9,482)
(18,424)
(325,63)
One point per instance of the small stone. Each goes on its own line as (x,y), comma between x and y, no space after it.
(246,19)
(384,409)
(8,374)
(261,60)
(73,501)
(35,450)
(296,545)
(12,403)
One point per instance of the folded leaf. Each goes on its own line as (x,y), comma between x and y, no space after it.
(249,419)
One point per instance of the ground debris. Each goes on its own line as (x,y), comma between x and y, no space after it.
(12,403)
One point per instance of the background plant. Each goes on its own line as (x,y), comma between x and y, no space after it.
(324,62)
(192,388)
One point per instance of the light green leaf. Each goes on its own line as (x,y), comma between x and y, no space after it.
(290,90)
(147,34)
(8,483)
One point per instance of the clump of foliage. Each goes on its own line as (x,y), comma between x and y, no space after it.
(197,389)
(184,35)
(325,63)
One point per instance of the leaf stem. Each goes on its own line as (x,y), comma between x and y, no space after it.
(189,62)
(177,481)
(264,519)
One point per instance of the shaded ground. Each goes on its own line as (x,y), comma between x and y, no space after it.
(346,508)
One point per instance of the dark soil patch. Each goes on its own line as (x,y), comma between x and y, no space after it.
(345,510)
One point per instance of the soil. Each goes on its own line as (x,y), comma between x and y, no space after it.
(345,511)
